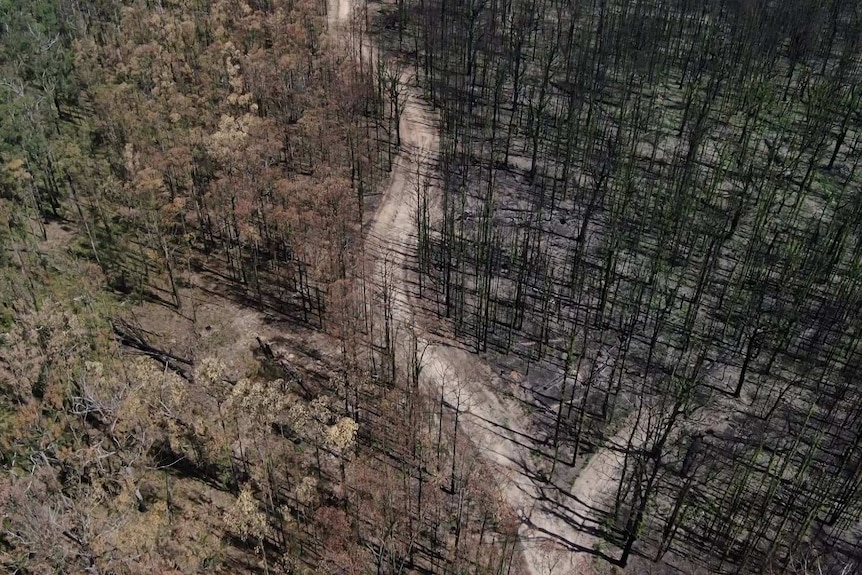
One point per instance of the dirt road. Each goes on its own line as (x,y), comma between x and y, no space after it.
(493,422)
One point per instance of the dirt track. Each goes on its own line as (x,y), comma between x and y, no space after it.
(493,422)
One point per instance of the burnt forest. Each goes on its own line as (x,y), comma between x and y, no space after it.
(431,287)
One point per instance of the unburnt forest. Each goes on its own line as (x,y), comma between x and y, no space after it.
(650,214)
(184,375)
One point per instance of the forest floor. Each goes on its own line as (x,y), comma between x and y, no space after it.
(556,540)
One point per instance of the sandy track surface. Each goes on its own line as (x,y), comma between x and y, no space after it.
(555,539)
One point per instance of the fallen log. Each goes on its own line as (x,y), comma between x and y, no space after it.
(132,337)
(291,374)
